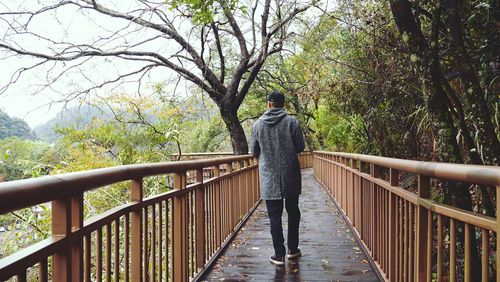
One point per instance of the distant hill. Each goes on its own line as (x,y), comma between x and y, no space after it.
(12,126)
(78,117)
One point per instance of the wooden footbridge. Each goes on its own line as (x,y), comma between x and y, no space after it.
(358,224)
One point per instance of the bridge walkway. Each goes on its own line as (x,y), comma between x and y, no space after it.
(330,250)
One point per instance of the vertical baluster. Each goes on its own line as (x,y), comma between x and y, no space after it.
(225,227)
(208,235)
(362,205)
(200,219)
(167,242)
(136,232)
(116,262)
(484,254)
(145,243)
(153,242)
(393,225)
(384,233)
(405,241)
(429,246)
(21,276)
(467,266)
(245,188)
(42,270)
(108,252)
(453,257)
(126,242)
(160,241)
(411,235)
(229,170)
(99,255)
(399,235)
(423,224)
(217,208)
(212,219)
(88,255)
(374,172)
(440,249)
(191,233)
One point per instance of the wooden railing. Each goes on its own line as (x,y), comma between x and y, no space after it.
(171,236)
(410,236)
(306,160)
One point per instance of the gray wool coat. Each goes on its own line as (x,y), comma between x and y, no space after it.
(276,141)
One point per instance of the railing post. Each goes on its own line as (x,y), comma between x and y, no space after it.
(136,232)
(424,192)
(200,221)
(179,224)
(394,181)
(61,216)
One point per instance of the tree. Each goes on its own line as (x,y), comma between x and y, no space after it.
(219,46)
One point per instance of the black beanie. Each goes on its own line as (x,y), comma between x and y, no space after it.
(276,97)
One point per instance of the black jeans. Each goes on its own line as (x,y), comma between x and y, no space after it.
(275,211)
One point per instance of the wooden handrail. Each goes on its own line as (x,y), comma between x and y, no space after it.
(397,226)
(35,191)
(477,174)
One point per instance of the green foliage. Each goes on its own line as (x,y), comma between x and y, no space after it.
(14,127)
(203,11)
(339,133)
(20,158)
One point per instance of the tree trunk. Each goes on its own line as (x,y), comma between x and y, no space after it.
(480,112)
(236,132)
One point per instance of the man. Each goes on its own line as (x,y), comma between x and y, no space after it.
(276,141)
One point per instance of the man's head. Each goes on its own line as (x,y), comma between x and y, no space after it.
(275,100)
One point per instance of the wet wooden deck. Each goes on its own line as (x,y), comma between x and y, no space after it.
(330,251)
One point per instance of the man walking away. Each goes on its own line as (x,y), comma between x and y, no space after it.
(276,141)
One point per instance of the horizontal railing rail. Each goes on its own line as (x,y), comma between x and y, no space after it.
(171,236)
(409,235)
